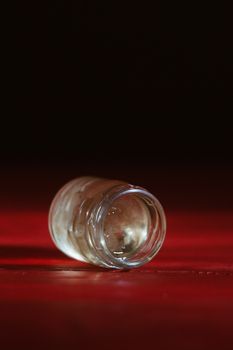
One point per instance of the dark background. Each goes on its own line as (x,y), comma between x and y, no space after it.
(102,84)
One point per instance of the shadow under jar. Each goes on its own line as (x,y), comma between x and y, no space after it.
(108,223)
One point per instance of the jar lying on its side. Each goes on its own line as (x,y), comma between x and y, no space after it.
(108,223)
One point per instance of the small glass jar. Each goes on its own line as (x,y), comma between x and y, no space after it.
(108,223)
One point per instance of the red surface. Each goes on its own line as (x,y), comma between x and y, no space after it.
(181,300)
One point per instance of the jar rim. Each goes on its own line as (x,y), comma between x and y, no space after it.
(151,247)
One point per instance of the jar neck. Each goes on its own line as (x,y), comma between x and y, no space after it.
(126,227)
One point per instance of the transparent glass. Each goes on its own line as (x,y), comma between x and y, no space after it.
(108,223)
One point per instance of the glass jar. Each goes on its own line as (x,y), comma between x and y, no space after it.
(108,223)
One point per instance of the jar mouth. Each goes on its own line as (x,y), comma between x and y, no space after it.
(129,227)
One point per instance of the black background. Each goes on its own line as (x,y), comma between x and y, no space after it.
(92,84)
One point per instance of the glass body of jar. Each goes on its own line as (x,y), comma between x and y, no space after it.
(108,223)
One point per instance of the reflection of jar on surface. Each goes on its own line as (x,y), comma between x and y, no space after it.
(107,223)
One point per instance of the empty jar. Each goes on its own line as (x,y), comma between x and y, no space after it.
(108,223)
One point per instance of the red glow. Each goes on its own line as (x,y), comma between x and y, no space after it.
(183,299)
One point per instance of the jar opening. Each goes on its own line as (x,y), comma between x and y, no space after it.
(126,225)
(131,225)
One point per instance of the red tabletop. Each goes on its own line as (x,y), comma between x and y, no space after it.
(183,299)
